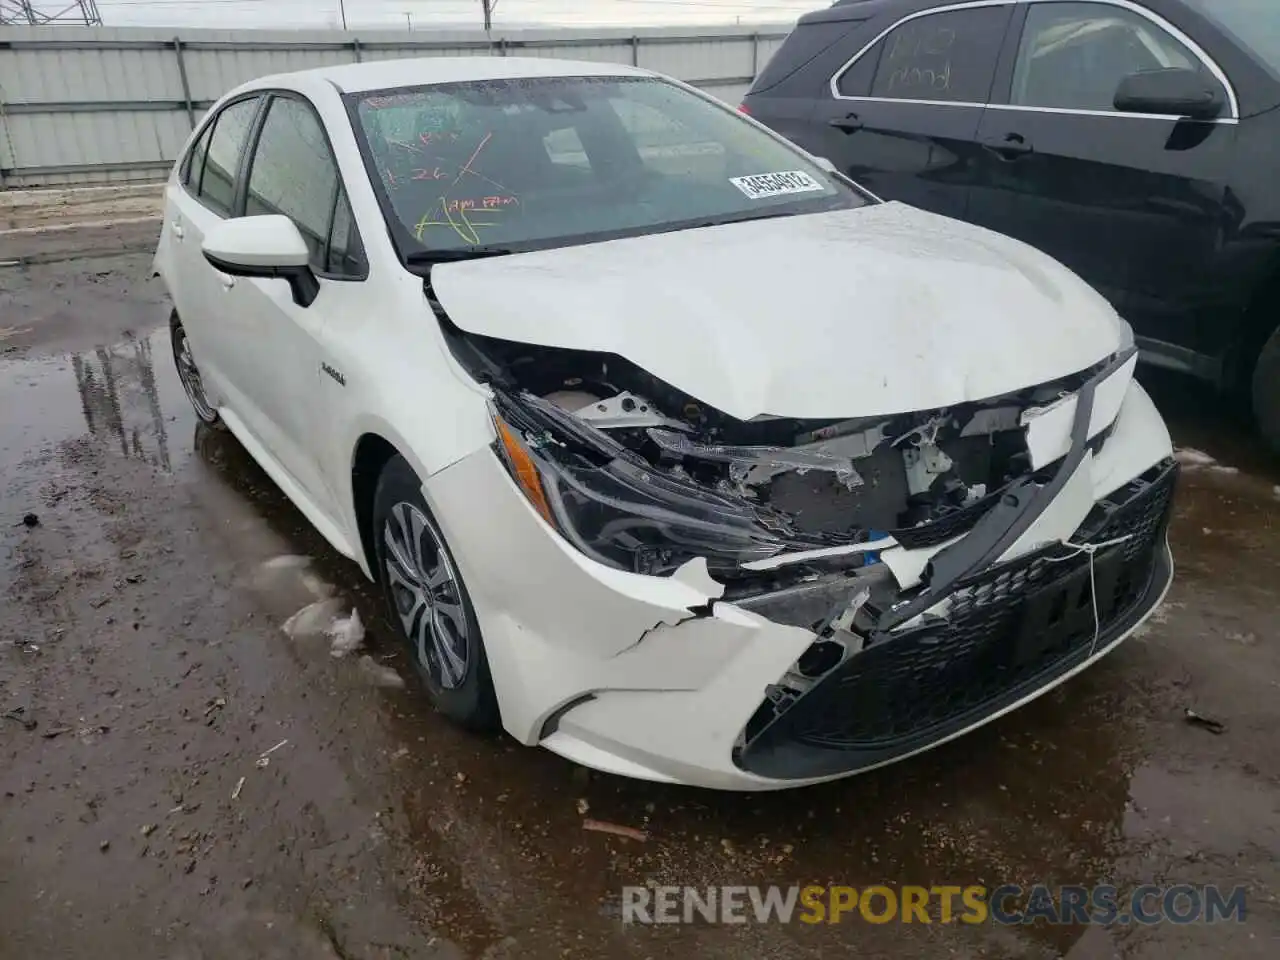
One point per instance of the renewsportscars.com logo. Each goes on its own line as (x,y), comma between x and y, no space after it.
(1010,904)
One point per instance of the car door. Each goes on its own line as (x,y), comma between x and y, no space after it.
(902,114)
(1133,203)
(204,197)
(171,247)
(279,346)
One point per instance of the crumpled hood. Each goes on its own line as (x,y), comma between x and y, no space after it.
(878,310)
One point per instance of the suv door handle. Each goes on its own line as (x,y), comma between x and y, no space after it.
(849,124)
(177,229)
(1009,147)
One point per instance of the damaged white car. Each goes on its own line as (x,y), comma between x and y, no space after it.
(674,452)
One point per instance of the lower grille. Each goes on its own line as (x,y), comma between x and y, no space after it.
(1010,630)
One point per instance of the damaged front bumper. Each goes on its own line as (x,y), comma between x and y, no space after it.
(658,678)
(1009,633)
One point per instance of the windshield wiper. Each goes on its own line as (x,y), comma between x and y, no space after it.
(428,258)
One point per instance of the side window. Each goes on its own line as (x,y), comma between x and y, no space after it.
(217,184)
(294,173)
(948,57)
(1074,55)
(193,166)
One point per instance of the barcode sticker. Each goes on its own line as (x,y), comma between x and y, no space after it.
(760,185)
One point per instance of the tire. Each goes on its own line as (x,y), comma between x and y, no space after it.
(1266,392)
(189,373)
(428,602)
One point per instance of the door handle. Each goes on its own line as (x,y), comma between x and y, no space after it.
(227,281)
(848,124)
(177,230)
(1009,147)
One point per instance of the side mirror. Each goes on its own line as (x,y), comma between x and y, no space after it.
(268,247)
(1175,92)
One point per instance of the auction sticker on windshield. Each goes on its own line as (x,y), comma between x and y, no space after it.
(760,185)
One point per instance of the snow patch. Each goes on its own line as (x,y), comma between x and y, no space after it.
(288,561)
(379,675)
(346,634)
(313,620)
(1190,457)
(318,588)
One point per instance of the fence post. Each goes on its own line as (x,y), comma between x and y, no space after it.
(186,84)
(755,56)
(8,139)
(355,50)
(635,50)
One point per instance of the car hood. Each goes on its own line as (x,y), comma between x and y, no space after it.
(877,310)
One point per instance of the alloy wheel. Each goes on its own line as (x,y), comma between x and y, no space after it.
(189,374)
(427,595)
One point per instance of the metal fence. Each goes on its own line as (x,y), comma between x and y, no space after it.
(103,105)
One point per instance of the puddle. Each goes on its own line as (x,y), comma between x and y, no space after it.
(126,395)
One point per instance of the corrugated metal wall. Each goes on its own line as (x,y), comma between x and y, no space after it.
(86,105)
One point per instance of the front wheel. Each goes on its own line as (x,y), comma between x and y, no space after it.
(189,373)
(1266,392)
(428,601)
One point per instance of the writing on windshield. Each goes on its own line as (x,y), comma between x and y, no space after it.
(527,161)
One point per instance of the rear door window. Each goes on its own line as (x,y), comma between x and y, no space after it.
(193,164)
(217,184)
(946,57)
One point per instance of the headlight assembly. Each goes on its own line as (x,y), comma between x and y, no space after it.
(614,507)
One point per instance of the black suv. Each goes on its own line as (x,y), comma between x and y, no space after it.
(1136,141)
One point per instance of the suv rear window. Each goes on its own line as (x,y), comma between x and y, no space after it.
(803,45)
(1254,24)
(948,57)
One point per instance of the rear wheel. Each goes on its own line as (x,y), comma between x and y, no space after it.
(189,373)
(1266,391)
(428,601)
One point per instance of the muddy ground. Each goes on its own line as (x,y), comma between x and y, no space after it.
(143,673)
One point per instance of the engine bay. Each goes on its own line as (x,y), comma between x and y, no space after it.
(920,477)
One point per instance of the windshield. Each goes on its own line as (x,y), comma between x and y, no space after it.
(528,163)
(1254,24)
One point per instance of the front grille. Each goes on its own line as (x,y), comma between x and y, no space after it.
(945,528)
(1009,630)
(1140,509)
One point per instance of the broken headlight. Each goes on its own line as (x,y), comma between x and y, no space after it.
(613,506)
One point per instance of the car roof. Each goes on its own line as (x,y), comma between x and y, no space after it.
(843,11)
(418,71)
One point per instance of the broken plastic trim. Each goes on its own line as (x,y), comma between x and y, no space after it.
(1018,508)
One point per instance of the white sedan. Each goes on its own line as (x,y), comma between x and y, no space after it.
(674,451)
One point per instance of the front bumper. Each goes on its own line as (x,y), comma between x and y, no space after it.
(658,679)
